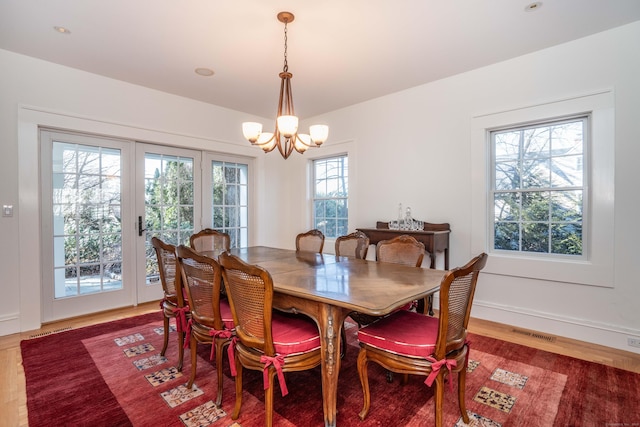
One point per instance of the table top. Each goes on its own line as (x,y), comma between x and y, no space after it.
(365,286)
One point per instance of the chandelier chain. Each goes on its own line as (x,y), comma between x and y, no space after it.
(286,66)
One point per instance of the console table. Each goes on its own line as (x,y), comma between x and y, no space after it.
(435,238)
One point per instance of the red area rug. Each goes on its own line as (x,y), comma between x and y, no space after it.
(112,375)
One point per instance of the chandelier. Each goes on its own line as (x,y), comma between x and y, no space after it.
(285,136)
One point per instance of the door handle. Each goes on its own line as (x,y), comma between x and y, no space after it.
(140,229)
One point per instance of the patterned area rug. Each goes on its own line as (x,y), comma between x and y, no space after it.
(113,375)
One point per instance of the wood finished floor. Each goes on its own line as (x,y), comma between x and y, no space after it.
(13,400)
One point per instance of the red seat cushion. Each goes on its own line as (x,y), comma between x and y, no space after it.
(294,334)
(403,332)
(225,314)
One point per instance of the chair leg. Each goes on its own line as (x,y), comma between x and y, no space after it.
(165,319)
(439,398)
(236,409)
(364,380)
(462,382)
(180,350)
(343,342)
(268,399)
(194,361)
(219,343)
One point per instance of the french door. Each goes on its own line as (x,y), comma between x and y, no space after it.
(169,207)
(86,243)
(102,201)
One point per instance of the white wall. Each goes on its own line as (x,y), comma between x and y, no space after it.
(33,93)
(411,147)
(414,148)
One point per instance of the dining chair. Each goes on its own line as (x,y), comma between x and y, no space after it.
(210,240)
(311,241)
(403,249)
(355,245)
(173,304)
(266,340)
(211,321)
(412,343)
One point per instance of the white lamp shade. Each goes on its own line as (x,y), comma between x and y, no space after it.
(319,133)
(251,131)
(266,141)
(287,125)
(302,142)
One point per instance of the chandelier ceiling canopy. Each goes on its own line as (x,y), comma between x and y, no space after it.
(285,136)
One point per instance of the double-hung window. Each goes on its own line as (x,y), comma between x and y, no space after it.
(330,195)
(538,187)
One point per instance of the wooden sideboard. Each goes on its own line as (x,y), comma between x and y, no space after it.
(435,238)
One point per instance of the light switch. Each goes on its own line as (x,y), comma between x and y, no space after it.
(7,210)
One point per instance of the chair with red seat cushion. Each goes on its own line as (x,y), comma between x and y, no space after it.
(211,241)
(211,321)
(412,343)
(173,304)
(311,241)
(403,249)
(355,245)
(266,340)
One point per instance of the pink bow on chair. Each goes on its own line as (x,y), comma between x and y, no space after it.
(277,362)
(181,318)
(217,334)
(187,337)
(435,368)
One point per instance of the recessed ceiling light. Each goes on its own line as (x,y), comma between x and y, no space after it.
(206,72)
(62,30)
(533,6)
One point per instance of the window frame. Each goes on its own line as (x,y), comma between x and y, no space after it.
(597,267)
(521,189)
(314,197)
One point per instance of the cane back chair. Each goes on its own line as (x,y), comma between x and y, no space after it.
(266,340)
(311,241)
(211,321)
(355,245)
(412,343)
(211,241)
(173,305)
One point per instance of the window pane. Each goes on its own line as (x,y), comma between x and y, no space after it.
(535,237)
(230,200)
(535,206)
(542,167)
(331,188)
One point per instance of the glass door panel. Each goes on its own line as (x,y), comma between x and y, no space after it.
(171,188)
(83,200)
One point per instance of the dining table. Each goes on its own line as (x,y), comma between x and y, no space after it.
(327,288)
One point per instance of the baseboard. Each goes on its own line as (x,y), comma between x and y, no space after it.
(9,324)
(578,329)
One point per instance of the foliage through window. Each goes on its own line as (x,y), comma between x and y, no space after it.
(539,187)
(230,201)
(330,194)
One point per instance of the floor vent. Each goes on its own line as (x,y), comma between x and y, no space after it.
(547,338)
(55,331)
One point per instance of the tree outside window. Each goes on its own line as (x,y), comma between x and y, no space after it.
(330,195)
(539,187)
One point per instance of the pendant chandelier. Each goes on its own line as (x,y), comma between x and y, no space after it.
(285,136)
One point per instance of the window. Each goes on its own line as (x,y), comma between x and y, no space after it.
(590,217)
(538,187)
(230,201)
(330,195)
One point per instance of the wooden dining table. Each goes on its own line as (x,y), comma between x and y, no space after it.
(327,288)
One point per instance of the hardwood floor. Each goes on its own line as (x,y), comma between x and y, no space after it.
(13,400)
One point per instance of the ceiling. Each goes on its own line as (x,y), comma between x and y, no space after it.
(340,52)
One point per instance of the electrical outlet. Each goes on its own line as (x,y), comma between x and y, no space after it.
(633,342)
